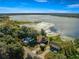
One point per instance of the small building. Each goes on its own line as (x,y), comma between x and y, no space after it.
(54,47)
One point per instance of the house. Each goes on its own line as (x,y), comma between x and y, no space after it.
(54,46)
(29,41)
(41,39)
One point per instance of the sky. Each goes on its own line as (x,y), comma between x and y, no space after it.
(39,6)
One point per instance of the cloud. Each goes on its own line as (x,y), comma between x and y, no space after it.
(19,10)
(10,10)
(59,11)
(41,0)
(22,10)
(73,6)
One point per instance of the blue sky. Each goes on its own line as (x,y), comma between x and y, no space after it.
(39,6)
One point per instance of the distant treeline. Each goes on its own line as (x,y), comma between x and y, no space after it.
(66,15)
(75,15)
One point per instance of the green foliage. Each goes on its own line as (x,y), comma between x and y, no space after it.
(1,34)
(55,38)
(43,32)
(26,32)
(10,48)
(68,49)
(23,22)
(52,55)
(76,41)
(10,40)
(74,57)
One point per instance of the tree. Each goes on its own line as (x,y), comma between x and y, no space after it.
(43,32)
(1,34)
(76,41)
(15,51)
(68,49)
(10,48)
(51,55)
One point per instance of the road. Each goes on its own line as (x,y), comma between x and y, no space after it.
(33,53)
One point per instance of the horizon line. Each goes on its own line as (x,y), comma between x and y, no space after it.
(76,15)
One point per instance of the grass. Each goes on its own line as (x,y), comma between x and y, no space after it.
(54,38)
(23,22)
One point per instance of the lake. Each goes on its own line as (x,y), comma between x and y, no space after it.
(67,25)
